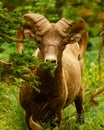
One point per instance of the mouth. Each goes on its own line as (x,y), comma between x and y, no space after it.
(54,67)
(48,67)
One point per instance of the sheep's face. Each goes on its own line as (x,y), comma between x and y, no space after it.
(51,46)
(52,38)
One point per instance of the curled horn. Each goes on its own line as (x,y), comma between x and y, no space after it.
(34,125)
(64,26)
(80,27)
(83,44)
(67,27)
(38,22)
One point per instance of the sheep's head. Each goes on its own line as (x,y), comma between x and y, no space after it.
(52,38)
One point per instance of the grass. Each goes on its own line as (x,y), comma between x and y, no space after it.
(12,115)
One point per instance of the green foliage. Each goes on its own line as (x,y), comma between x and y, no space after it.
(11,114)
(8,24)
(54,10)
(23,67)
(28,64)
(10,15)
(48,10)
(92,79)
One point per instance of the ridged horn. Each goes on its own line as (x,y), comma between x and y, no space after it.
(81,27)
(34,125)
(83,44)
(37,22)
(64,26)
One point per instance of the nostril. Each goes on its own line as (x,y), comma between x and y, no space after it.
(51,61)
(47,60)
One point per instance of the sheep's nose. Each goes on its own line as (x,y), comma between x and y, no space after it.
(51,61)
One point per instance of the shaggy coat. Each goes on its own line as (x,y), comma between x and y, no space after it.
(62,44)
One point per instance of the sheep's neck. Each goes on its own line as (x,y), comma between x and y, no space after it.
(49,82)
(52,89)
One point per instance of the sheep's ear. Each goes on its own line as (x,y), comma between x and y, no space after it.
(28,34)
(75,38)
(82,40)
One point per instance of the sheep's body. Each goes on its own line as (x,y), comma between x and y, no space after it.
(56,92)
(71,72)
(58,43)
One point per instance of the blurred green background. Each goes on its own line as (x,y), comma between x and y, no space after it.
(11,114)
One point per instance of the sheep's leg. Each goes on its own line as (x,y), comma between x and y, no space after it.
(79,107)
(60,116)
(27,120)
(56,125)
(34,125)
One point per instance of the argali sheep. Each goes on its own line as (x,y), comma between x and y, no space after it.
(63,43)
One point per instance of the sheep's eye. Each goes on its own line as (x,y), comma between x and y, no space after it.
(38,42)
(65,42)
(63,46)
(38,39)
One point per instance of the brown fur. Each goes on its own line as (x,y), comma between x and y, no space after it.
(59,91)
